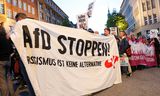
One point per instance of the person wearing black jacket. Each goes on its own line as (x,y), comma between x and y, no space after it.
(123,45)
(5,63)
(157,50)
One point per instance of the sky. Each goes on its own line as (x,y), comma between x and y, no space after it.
(99,14)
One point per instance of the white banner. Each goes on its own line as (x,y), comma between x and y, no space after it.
(63,61)
(82,21)
(113,31)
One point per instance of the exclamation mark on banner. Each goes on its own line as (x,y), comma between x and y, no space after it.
(108,49)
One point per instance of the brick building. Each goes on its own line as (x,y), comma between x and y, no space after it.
(43,10)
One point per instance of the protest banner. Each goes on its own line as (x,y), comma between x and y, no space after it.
(114,30)
(90,9)
(142,54)
(82,21)
(66,61)
(150,56)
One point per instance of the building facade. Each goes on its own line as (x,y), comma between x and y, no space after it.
(43,10)
(49,11)
(12,7)
(141,15)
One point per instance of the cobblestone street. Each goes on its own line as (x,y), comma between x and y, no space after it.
(142,83)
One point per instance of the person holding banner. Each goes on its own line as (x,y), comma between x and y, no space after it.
(6,86)
(96,32)
(158,37)
(18,17)
(157,50)
(106,31)
(123,45)
(90,30)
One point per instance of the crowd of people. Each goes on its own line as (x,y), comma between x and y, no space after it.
(12,70)
(126,51)
(153,43)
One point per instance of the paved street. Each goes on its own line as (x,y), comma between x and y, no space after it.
(143,83)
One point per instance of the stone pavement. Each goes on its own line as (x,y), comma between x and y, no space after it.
(144,82)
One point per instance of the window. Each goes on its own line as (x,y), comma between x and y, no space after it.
(40,6)
(24,6)
(29,9)
(153,4)
(150,19)
(155,18)
(144,6)
(47,18)
(33,12)
(9,1)
(50,12)
(14,14)
(9,13)
(2,8)
(41,16)
(145,21)
(148,5)
(14,2)
(20,4)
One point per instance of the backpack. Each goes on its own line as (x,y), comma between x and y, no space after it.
(128,51)
(17,67)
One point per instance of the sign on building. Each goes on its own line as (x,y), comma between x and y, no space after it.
(82,21)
